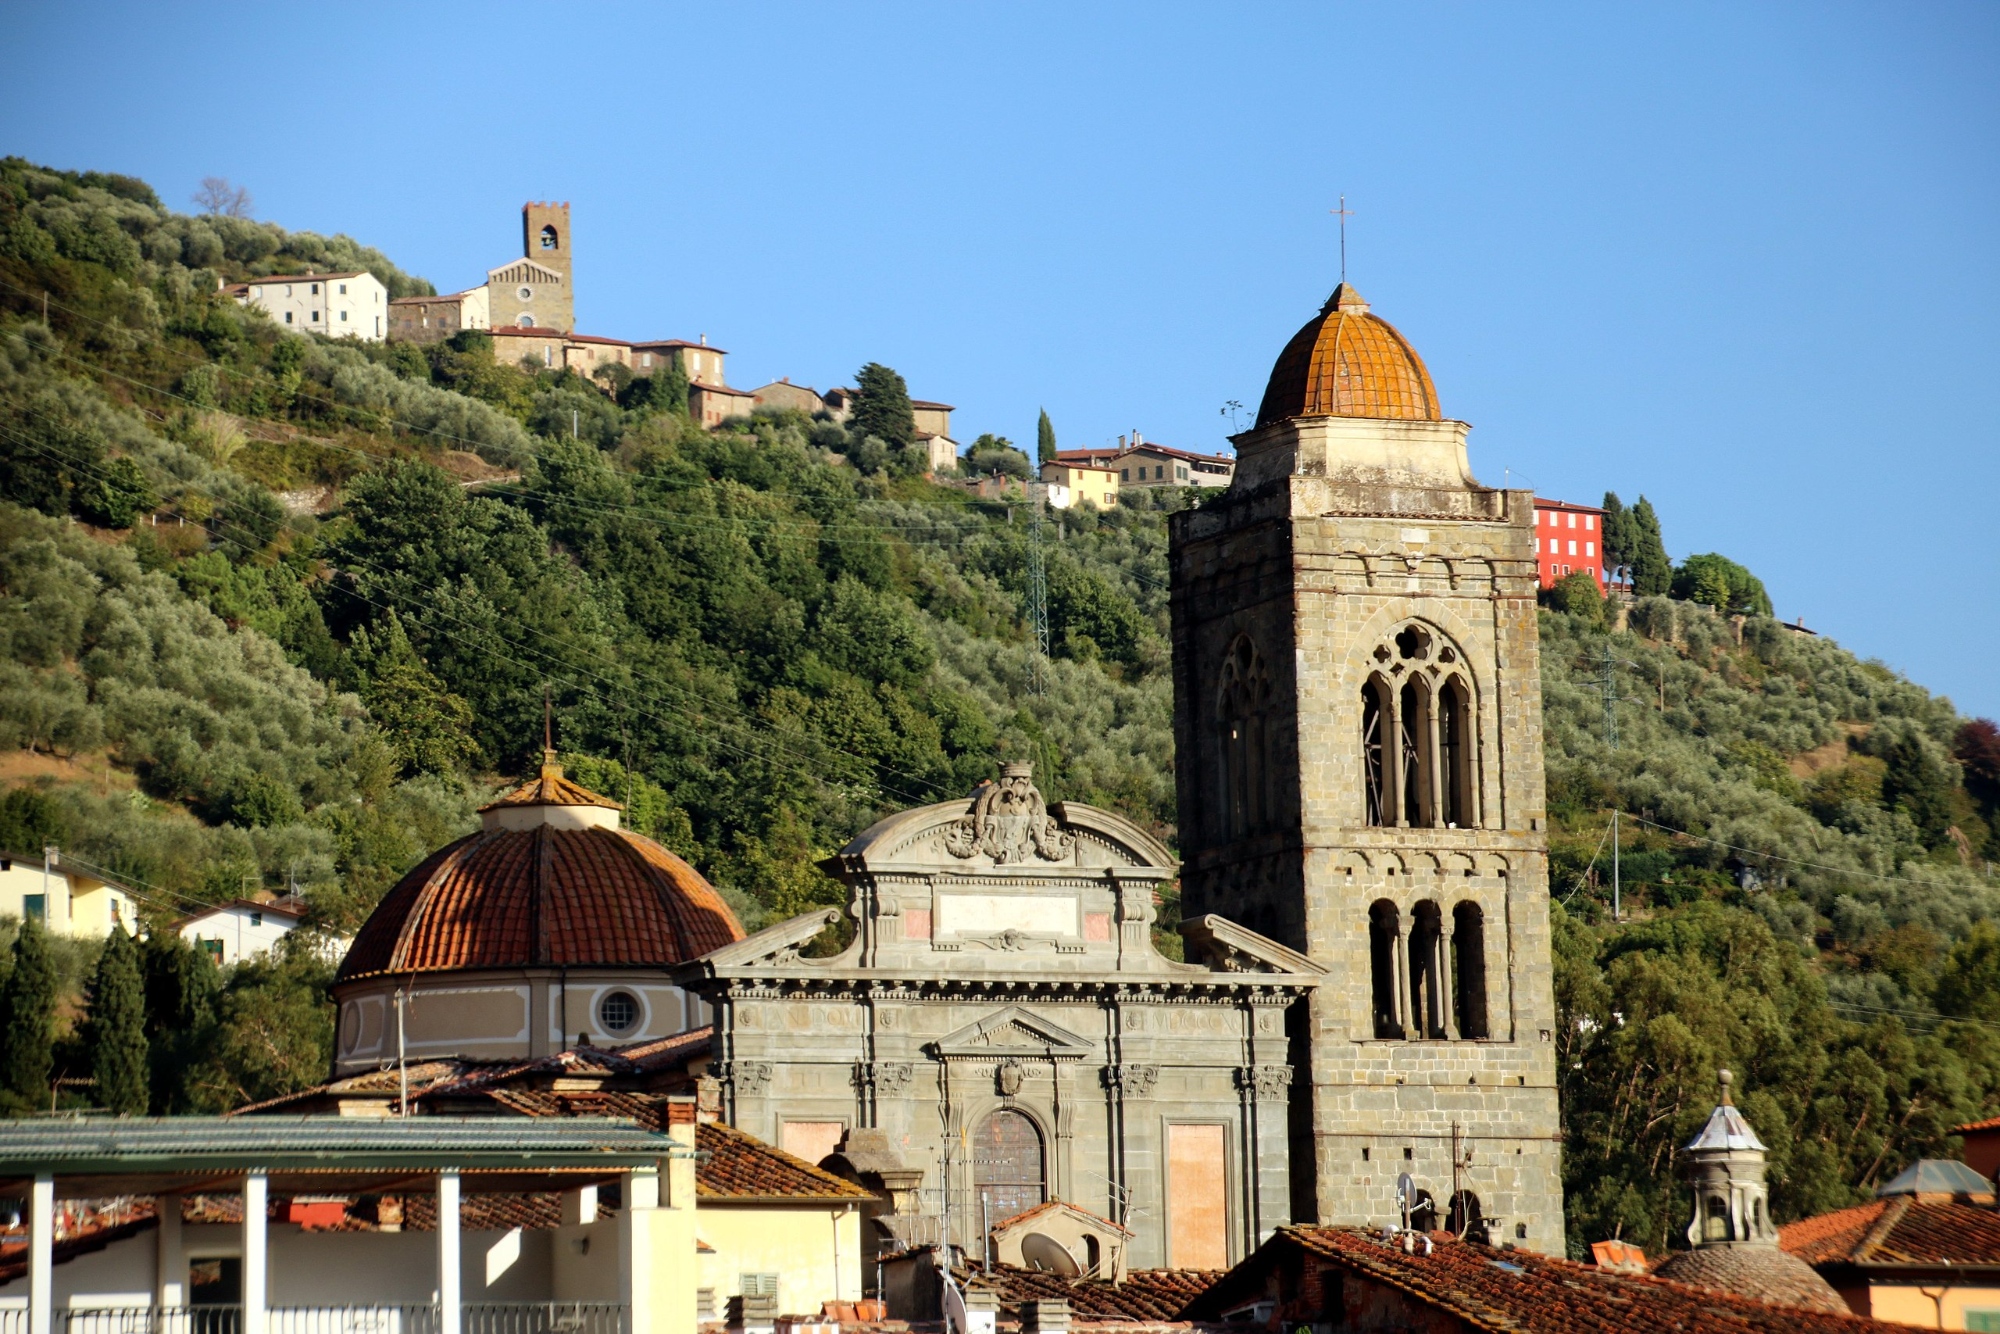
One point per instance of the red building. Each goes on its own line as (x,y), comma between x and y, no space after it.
(1568,538)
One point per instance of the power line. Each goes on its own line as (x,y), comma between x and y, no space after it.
(1794,861)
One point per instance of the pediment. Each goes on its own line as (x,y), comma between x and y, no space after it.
(1004,828)
(1229,948)
(1014,1029)
(775,945)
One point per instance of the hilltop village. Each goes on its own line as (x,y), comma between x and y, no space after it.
(844,950)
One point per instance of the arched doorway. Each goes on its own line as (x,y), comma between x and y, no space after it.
(1007,1170)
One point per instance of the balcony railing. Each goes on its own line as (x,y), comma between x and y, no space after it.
(475,1318)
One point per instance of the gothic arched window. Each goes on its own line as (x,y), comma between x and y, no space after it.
(1385,958)
(1417,735)
(1007,1165)
(1430,1011)
(1376,752)
(1242,709)
(1468,969)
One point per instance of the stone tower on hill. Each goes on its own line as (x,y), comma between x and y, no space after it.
(1359,731)
(536,291)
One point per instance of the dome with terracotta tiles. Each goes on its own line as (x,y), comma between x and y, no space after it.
(549,881)
(1349,362)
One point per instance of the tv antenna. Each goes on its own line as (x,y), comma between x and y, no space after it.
(1343,213)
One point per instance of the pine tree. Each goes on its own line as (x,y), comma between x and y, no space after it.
(1045,439)
(29,1000)
(1652,572)
(116,1035)
(882,408)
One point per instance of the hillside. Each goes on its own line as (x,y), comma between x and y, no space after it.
(282,612)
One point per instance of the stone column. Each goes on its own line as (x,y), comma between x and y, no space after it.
(256,1253)
(41,1252)
(450,1296)
(170,1261)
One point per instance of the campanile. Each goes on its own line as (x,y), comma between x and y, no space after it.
(1359,738)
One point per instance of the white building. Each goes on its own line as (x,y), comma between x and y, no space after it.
(68,900)
(339,305)
(238,930)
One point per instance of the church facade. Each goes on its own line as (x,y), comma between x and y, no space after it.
(1002,1032)
(1359,760)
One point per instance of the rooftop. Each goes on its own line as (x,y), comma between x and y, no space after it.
(1148,1295)
(1898,1230)
(1519,1291)
(744,1170)
(303,277)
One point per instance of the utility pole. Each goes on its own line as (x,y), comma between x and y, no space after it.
(1608,684)
(1038,594)
(1617,905)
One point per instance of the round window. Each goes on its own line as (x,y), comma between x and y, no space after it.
(618,1011)
(525,320)
(527,294)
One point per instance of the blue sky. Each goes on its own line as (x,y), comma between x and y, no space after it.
(1740,258)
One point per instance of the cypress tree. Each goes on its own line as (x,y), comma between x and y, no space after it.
(1618,534)
(882,408)
(116,1035)
(1045,439)
(29,1000)
(182,986)
(1652,572)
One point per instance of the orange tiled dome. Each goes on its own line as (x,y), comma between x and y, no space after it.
(543,896)
(1347,362)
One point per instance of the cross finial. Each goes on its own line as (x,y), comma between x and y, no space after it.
(1343,213)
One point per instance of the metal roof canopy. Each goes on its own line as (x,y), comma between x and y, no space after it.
(103,1156)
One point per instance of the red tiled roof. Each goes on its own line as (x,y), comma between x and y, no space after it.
(550,788)
(130,1218)
(303,278)
(720,389)
(543,897)
(1148,447)
(926,404)
(1519,1291)
(1544,503)
(680,342)
(1049,1206)
(744,1169)
(477,1212)
(1899,1230)
(248,905)
(1990,1123)
(1145,1295)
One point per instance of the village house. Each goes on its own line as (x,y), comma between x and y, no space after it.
(64,896)
(1568,538)
(432,319)
(1072,483)
(339,305)
(240,929)
(1142,463)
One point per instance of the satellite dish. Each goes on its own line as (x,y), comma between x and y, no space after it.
(1048,1255)
(954,1307)
(1406,1196)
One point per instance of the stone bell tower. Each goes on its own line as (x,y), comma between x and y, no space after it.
(1359,735)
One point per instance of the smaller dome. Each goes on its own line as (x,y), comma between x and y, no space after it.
(1347,362)
(1761,1273)
(551,881)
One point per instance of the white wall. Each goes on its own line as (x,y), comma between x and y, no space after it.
(356,307)
(240,939)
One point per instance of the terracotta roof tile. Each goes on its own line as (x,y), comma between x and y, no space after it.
(740,1167)
(1145,1295)
(1519,1291)
(1347,362)
(543,897)
(1899,1230)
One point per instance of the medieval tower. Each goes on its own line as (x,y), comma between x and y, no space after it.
(1358,724)
(536,291)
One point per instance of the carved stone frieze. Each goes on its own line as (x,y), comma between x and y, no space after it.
(887,1078)
(1269,1083)
(1007,1077)
(1009,822)
(747,1078)
(1134,1081)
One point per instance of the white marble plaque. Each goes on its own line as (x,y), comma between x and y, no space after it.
(984,914)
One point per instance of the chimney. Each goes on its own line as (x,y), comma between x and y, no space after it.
(704,340)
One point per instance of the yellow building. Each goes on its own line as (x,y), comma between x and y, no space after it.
(772,1223)
(69,900)
(1080,482)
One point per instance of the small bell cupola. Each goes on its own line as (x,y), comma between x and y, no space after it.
(1724,1165)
